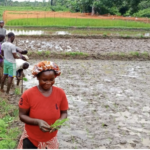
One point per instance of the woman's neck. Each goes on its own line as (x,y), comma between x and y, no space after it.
(42,90)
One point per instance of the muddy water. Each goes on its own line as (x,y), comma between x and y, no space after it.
(74,31)
(36,32)
(102,46)
(108,103)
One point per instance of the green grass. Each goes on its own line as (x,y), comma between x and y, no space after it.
(76,54)
(69,22)
(17,91)
(8,134)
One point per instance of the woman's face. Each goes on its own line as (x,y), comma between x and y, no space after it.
(46,80)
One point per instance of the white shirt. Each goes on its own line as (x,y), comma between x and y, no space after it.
(8,49)
(19,64)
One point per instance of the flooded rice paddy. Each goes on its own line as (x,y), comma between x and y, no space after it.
(108,103)
(75,31)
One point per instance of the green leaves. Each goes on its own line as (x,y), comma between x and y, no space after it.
(25,79)
(7,135)
(17,91)
(59,123)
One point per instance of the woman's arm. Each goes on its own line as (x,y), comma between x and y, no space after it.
(63,114)
(24,117)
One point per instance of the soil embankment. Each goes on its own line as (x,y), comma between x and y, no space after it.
(85,45)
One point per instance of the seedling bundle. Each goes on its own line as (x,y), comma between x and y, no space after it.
(59,123)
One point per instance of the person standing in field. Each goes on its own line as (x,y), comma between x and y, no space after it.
(2,31)
(9,52)
(20,66)
(40,107)
(1,61)
(2,39)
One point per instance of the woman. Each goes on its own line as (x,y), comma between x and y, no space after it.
(40,107)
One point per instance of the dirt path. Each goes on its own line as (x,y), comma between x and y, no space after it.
(86,45)
(108,103)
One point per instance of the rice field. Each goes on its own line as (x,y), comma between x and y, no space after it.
(77,22)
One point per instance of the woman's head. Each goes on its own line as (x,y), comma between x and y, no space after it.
(46,79)
(46,72)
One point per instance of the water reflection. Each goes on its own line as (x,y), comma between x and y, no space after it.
(25,32)
(36,32)
(61,33)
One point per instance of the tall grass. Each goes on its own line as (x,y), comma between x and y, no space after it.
(76,22)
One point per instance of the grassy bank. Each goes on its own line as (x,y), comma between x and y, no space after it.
(9,131)
(68,22)
(86,56)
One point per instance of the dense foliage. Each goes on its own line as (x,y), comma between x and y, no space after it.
(139,8)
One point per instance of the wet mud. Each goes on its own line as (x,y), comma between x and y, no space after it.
(108,103)
(86,45)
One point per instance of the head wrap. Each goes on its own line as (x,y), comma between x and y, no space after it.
(45,65)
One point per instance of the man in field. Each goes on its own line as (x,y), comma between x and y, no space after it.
(1,57)
(9,53)
(2,31)
(20,66)
(2,39)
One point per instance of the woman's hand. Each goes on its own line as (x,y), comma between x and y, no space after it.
(54,129)
(44,126)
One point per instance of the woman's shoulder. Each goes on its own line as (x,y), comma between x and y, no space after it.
(58,89)
(30,90)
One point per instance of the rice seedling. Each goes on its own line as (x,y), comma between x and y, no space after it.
(104,125)
(145,54)
(59,123)
(47,53)
(25,79)
(39,53)
(30,53)
(17,91)
(69,22)
(135,54)
(76,54)
(105,35)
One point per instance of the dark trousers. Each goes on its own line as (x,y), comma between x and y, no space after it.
(27,144)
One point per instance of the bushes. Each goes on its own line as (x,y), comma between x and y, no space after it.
(143,13)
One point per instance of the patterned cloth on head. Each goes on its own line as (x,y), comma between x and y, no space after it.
(45,65)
